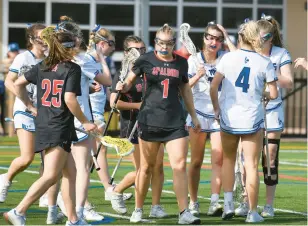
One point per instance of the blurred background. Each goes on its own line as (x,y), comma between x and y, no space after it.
(144,17)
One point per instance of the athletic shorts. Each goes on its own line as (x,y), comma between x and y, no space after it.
(66,145)
(159,134)
(208,125)
(99,119)
(275,119)
(126,128)
(24,120)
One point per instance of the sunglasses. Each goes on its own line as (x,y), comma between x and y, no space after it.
(161,43)
(141,50)
(210,37)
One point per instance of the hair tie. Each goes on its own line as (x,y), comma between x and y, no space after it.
(29,25)
(97,28)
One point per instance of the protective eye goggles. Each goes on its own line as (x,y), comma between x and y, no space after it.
(266,36)
(161,43)
(109,42)
(141,50)
(210,37)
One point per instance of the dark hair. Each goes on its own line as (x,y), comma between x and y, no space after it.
(67,24)
(131,38)
(57,51)
(31,31)
(213,26)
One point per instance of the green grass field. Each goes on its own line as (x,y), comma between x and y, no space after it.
(290,202)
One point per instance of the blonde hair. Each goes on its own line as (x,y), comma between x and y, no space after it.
(250,35)
(57,52)
(271,26)
(166,29)
(96,36)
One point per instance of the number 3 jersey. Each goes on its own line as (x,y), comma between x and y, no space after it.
(54,121)
(245,73)
(161,106)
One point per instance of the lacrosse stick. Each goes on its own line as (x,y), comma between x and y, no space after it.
(122,146)
(187,42)
(268,160)
(41,153)
(123,154)
(129,59)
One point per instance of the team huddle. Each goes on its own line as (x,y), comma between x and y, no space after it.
(167,100)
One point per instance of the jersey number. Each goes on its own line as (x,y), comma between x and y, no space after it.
(243,79)
(165,83)
(56,91)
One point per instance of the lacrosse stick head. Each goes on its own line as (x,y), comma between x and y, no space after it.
(129,58)
(185,39)
(122,145)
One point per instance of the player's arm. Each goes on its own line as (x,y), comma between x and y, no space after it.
(285,78)
(21,92)
(187,96)
(9,81)
(127,84)
(214,92)
(200,73)
(273,91)
(228,41)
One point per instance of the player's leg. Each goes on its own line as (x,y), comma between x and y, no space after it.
(252,146)
(177,150)
(215,208)
(229,144)
(157,181)
(197,146)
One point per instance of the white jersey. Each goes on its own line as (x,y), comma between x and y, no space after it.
(89,70)
(245,73)
(201,96)
(279,57)
(98,100)
(24,60)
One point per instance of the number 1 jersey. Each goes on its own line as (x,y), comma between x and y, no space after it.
(161,106)
(54,121)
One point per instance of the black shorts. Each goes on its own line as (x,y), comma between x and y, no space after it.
(159,134)
(66,145)
(126,128)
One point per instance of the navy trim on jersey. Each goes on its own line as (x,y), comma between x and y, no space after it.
(32,54)
(190,75)
(275,129)
(256,127)
(25,128)
(14,70)
(286,62)
(246,50)
(275,107)
(205,130)
(24,113)
(204,115)
(93,58)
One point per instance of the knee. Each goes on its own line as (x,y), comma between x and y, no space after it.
(217,160)
(180,166)
(50,178)
(146,169)
(27,160)
(196,164)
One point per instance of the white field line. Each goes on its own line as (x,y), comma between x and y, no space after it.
(124,217)
(167,192)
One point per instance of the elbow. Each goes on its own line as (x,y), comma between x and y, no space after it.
(274,95)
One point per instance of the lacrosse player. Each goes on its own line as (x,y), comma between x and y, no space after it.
(243,74)
(58,84)
(200,75)
(129,105)
(23,119)
(161,119)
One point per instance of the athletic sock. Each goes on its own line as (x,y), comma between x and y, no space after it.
(214,197)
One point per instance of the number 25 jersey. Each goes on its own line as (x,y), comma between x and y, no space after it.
(161,106)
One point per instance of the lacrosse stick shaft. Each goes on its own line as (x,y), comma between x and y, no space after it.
(120,160)
(106,128)
(95,163)
(268,160)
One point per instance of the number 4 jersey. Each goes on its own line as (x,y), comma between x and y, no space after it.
(245,73)
(161,106)
(54,121)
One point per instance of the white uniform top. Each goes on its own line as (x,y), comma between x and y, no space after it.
(245,73)
(98,100)
(89,69)
(202,99)
(25,59)
(279,57)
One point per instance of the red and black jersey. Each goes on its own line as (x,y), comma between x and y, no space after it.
(54,121)
(161,106)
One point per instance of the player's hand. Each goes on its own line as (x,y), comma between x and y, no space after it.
(138,105)
(96,86)
(31,109)
(196,123)
(217,115)
(90,127)
(301,62)
(201,71)
(266,97)
(120,87)
(222,29)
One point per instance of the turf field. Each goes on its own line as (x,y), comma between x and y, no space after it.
(290,203)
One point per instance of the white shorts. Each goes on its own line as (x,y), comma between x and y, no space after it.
(81,136)
(99,119)
(208,125)
(24,120)
(275,119)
